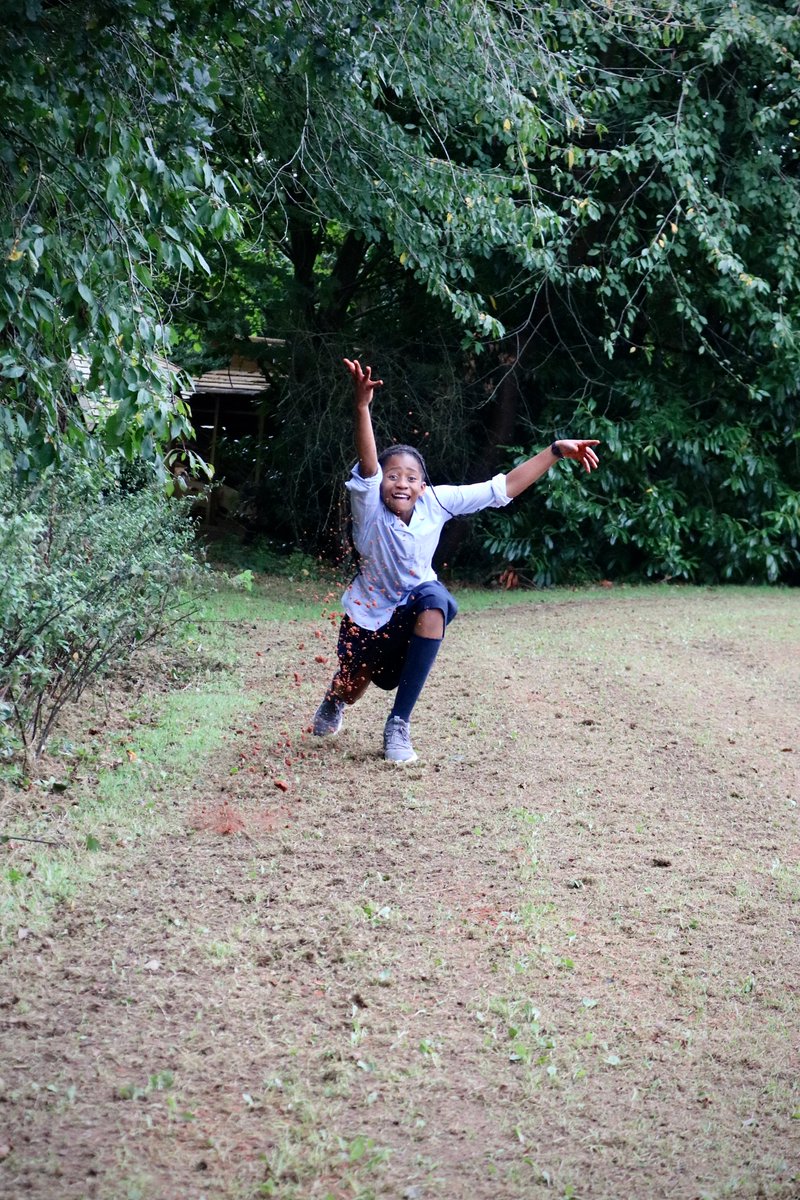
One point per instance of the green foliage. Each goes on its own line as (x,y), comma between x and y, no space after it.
(686,490)
(108,189)
(508,156)
(525,215)
(87,574)
(601,199)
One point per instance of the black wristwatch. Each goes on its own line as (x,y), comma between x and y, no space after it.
(556,449)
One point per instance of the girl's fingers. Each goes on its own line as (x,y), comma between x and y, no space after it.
(587,456)
(373,383)
(361,375)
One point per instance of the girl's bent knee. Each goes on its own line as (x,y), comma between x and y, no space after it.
(430,624)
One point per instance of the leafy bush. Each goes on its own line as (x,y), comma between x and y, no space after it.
(685,491)
(265,556)
(88,572)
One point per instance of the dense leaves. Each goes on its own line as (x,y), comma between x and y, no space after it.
(695,193)
(602,199)
(574,217)
(105,120)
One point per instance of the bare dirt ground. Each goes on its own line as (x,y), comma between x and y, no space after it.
(556,958)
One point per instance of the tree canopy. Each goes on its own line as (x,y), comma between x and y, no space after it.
(567,217)
(106,118)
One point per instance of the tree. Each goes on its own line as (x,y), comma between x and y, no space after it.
(685,343)
(535,215)
(106,114)
(604,198)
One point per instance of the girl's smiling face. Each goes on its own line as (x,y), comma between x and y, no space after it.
(402,485)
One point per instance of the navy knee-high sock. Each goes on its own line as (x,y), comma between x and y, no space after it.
(421,656)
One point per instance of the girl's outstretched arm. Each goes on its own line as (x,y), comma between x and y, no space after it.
(521,477)
(364,386)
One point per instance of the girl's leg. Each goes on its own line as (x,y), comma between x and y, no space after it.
(345,688)
(348,684)
(422,651)
(435,608)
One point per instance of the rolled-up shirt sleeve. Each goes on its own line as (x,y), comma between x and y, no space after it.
(472,497)
(365,497)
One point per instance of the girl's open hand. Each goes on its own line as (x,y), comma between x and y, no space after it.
(363,383)
(581,451)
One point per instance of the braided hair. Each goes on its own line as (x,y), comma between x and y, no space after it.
(390,452)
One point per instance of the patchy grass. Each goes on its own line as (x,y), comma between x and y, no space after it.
(554,958)
(109,783)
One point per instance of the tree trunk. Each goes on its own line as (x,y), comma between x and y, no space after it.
(499,432)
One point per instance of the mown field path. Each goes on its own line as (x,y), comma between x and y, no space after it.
(558,957)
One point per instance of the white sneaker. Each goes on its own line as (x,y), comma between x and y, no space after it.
(328,718)
(397,746)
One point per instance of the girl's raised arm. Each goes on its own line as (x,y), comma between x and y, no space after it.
(521,477)
(364,386)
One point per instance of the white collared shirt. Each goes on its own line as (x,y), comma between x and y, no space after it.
(395,557)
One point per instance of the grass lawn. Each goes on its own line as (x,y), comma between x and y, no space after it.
(555,958)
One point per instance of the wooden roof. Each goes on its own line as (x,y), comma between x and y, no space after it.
(80,366)
(242,377)
(97,403)
(230,381)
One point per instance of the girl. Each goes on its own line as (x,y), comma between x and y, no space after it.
(396,611)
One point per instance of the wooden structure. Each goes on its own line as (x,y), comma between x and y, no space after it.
(226,402)
(223,402)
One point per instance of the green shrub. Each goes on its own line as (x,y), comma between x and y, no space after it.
(88,572)
(264,556)
(684,491)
